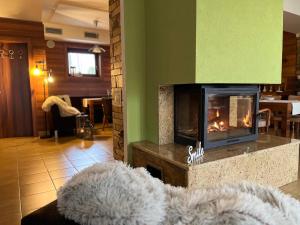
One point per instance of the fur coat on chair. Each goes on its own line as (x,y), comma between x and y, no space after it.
(115,194)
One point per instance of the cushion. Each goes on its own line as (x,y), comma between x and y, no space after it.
(47,215)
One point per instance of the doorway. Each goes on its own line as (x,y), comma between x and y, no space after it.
(15,94)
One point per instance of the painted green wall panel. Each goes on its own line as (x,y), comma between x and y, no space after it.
(203,41)
(135,77)
(239,41)
(170,51)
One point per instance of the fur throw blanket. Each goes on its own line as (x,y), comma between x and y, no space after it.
(65,109)
(115,194)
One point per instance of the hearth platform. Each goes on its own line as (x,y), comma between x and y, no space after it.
(270,160)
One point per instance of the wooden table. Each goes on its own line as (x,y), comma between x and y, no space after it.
(90,103)
(285,109)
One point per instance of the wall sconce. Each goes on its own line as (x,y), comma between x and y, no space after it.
(50,78)
(38,72)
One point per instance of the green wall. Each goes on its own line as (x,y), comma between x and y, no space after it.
(239,41)
(135,86)
(170,47)
(195,41)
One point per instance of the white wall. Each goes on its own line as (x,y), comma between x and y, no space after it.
(76,34)
(292,6)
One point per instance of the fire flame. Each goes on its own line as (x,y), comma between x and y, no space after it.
(216,125)
(247,119)
(217,114)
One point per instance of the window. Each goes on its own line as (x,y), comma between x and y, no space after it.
(83,63)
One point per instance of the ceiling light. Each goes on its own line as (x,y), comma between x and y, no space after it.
(97,49)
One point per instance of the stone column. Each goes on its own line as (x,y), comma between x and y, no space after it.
(116,78)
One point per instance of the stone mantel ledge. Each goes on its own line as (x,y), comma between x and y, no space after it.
(271,160)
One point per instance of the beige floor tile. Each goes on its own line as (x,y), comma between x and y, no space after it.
(13,171)
(77,156)
(26,211)
(58,165)
(80,168)
(60,182)
(36,201)
(103,158)
(62,173)
(82,162)
(36,188)
(10,218)
(54,155)
(32,170)
(34,178)
(30,163)
(29,158)
(11,182)
(9,192)
(55,160)
(23,169)
(8,180)
(10,206)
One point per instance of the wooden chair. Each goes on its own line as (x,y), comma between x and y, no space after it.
(264,118)
(275,116)
(295,119)
(294,97)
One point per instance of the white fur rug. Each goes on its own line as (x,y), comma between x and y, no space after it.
(115,194)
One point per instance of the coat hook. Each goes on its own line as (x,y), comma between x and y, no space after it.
(11,54)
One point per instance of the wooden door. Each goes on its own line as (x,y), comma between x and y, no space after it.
(15,95)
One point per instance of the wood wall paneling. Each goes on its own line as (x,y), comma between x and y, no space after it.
(15,96)
(289,61)
(76,86)
(31,33)
(289,54)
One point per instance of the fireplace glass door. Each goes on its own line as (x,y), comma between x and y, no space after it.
(229,116)
(216,115)
(187,101)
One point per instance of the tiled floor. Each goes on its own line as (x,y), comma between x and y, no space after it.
(32,170)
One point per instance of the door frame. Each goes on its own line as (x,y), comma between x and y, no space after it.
(17,40)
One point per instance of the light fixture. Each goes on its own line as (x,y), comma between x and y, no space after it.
(96,49)
(50,77)
(36,71)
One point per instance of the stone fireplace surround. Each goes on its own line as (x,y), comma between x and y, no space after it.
(166,114)
(269,161)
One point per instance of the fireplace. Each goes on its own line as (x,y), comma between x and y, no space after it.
(216,115)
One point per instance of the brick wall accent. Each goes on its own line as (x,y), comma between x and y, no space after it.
(116,78)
